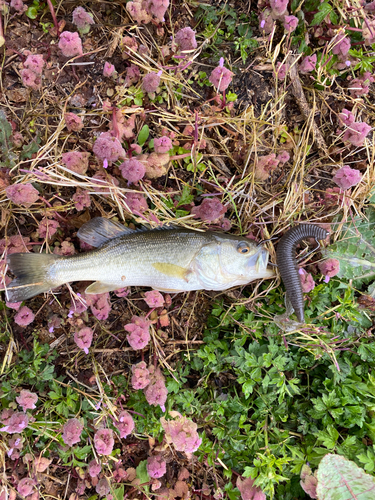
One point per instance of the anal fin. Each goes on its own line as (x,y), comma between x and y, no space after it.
(101,287)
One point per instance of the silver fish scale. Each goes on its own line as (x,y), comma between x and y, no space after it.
(130,259)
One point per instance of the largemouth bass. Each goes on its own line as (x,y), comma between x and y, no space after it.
(167,259)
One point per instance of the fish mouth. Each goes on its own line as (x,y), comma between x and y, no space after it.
(261,260)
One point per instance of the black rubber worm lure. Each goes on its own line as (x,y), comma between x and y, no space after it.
(286,262)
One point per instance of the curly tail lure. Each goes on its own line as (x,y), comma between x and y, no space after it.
(288,268)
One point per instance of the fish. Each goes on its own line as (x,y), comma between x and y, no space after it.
(170,259)
(287,264)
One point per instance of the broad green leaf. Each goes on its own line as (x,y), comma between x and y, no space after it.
(324,9)
(143,135)
(355,249)
(142,473)
(339,478)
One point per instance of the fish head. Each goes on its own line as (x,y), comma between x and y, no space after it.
(231,261)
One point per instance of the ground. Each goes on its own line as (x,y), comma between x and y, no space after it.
(272,149)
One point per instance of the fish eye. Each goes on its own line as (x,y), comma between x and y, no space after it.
(243,248)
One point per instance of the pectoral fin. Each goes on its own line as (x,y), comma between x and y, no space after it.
(100,287)
(169,290)
(172,270)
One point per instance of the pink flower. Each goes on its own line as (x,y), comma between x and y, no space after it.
(128,45)
(156,392)
(138,11)
(35,63)
(368,31)
(73,122)
(41,463)
(83,338)
(154,299)
(342,45)
(26,486)
(156,466)
(31,79)
(72,431)
(77,307)
(24,317)
(309,481)
(27,400)
(108,69)
(307,281)
(99,304)
(162,144)
(265,166)
(47,228)
(248,490)
(283,157)
(103,487)
(108,148)
(76,161)
(221,76)
(209,210)
(66,248)
(308,64)
(185,39)
(82,20)
(18,5)
(140,376)
(158,8)
(15,445)
(335,196)
(356,133)
(155,164)
(181,432)
(361,86)
(136,202)
(281,71)
(81,199)
(346,117)
(70,44)
(279,6)
(5,415)
(16,423)
(290,23)
(22,194)
(266,21)
(125,127)
(132,170)
(151,82)
(347,177)
(132,75)
(139,332)
(125,424)
(94,468)
(13,305)
(32,72)
(104,441)
(329,267)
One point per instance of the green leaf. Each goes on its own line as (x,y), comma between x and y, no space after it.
(186,196)
(143,135)
(142,473)
(118,493)
(32,12)
(355,249)
(323,10)
(339,478)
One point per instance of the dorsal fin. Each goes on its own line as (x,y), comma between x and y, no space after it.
(99,230)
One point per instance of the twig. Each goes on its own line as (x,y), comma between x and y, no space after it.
(302,102)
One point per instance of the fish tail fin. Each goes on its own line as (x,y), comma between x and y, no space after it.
(32,271)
